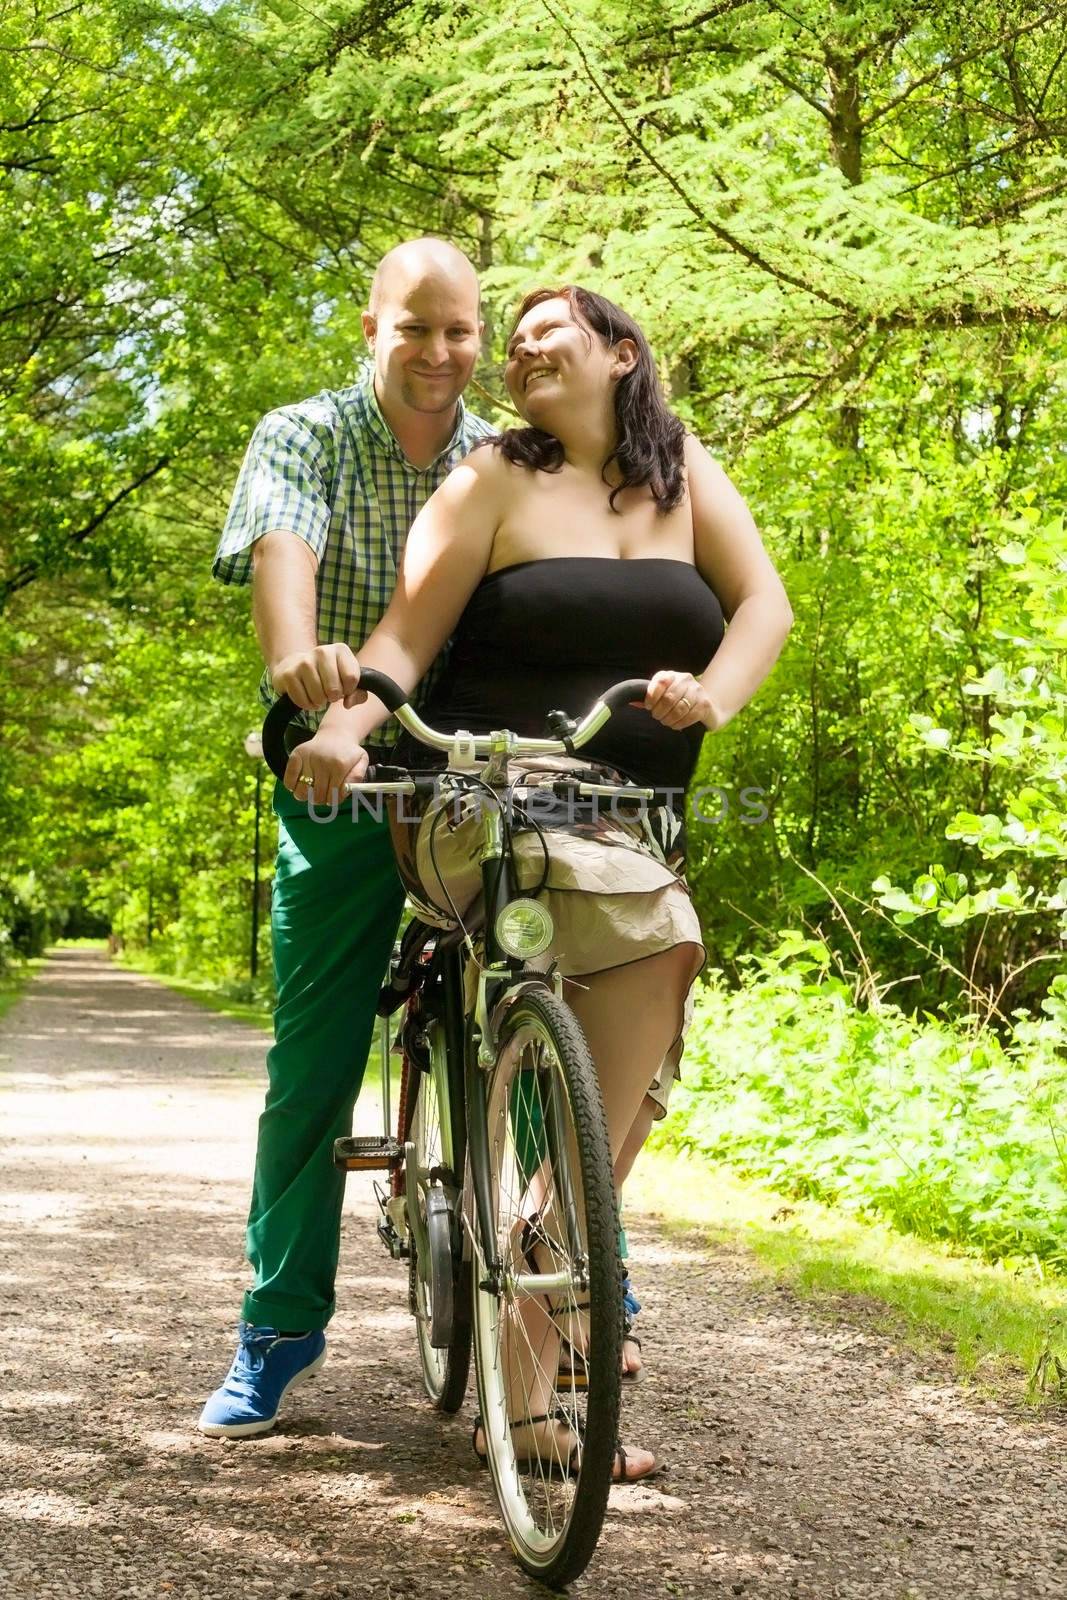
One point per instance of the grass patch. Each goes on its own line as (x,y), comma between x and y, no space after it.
(1006,1330)
(13,982)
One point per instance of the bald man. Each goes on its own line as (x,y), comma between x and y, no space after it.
(323,504)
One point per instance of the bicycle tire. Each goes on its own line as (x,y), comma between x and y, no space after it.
(445,1370)
(557,1558)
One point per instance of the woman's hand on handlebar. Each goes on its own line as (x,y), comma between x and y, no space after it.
(330,758)
(679,700)
(314,678)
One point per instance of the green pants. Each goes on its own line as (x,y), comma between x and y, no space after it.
(335,910)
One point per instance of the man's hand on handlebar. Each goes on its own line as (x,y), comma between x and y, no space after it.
(330,759)
(314,678)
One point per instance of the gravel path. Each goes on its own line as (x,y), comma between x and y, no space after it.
(804,1460)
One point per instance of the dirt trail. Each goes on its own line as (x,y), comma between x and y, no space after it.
(804,1460)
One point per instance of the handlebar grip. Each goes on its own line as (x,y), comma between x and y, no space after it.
(283,711)
(389,693)
(620,694)
(275,724)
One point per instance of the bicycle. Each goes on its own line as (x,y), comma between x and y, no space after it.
(501,1192)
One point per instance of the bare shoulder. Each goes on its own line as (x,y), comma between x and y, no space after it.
(713,496)
(481,472)
(464,511)
(486,454)
(729,551)
(701,468)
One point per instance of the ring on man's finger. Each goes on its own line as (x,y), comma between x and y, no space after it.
(307,777)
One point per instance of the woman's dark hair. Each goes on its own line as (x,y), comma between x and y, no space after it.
(650,448)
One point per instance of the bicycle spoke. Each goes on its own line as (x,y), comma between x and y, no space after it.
(555,1245)
(524,1193)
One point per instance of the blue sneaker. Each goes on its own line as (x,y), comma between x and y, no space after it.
(631,1305)
(264,1369)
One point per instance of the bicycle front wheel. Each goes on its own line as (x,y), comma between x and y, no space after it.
(555,1245)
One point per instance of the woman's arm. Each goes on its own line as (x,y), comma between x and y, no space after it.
(445,558)
(729,555)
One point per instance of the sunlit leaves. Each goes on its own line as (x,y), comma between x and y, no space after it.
(944,1132)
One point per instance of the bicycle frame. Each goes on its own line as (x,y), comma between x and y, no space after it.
(470,1044)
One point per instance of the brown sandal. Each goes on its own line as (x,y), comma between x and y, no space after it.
(572,1369)
(553,1468)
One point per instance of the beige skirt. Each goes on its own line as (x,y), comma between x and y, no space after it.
(613,883)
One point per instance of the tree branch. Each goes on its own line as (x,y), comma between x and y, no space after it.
(723,9)
(957,61)
(801,402)
(1043,96)
(983,158)
(968,315)
(32,569)
(1011,208)
(716,229)
(797,88)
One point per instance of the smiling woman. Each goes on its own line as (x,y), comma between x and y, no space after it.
(565,344)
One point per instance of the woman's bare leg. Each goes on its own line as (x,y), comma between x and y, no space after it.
(630,1018)
(635,1140)
(651,994)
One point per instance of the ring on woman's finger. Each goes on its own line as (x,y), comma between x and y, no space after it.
(688,704)
(306,777)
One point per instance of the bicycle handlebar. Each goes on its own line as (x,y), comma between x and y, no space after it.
(283,711)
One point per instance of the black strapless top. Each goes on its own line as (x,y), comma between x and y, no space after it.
(550,635)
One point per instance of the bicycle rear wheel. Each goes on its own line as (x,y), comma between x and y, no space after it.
(556,1242)
(437,1286)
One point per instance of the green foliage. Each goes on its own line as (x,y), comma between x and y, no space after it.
(23,918)
(696,186)
(946,1134)
(841,226)
(171,840)
(1003,1322)
(1020,748)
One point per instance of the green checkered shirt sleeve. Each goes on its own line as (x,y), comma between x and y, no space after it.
(284,483)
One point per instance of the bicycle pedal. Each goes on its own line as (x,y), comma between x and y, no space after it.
(365,1153)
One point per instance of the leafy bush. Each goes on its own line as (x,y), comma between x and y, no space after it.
(1020,741)
(946,1132)
(24,921)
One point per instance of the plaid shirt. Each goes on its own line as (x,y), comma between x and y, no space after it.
(330,470)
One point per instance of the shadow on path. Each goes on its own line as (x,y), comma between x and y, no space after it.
(803,1460)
